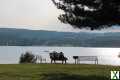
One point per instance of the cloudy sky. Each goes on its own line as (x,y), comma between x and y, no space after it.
(31,14)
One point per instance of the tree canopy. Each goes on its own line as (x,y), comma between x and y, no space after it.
(92,14)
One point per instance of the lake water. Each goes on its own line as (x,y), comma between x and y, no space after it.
(106,56)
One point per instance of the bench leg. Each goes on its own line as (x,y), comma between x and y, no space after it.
(51,61)
(78,61)
(65,61)
(54,61)
(96,61)
(75,61)
(62,61)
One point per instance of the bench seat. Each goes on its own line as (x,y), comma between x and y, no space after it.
(85,58)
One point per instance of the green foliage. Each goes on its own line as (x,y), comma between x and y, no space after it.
(93,14)
(27,58)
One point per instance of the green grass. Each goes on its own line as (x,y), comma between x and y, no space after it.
(55,72)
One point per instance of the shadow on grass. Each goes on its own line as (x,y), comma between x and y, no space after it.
(64,76)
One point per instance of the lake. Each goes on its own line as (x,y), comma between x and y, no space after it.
(106,56)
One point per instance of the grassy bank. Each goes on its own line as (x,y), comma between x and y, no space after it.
(55,72)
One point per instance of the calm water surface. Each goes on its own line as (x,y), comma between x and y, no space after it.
(107,56)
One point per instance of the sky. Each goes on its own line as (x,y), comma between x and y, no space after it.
(32,14)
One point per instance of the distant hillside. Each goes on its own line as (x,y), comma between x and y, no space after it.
(22,37)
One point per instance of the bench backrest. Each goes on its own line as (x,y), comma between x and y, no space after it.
(56,56)
(87,58)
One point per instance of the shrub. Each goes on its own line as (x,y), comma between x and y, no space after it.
(27,57)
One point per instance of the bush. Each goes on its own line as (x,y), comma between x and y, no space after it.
(27,57)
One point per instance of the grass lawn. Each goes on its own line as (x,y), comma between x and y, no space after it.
(55,72)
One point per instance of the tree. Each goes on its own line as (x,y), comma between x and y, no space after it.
(28,57)
(91,14)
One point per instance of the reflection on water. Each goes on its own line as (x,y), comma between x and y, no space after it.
(109,56)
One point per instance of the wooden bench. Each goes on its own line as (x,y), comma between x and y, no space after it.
(85,58)
(54,56)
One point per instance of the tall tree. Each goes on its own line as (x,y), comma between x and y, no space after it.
(92,14)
